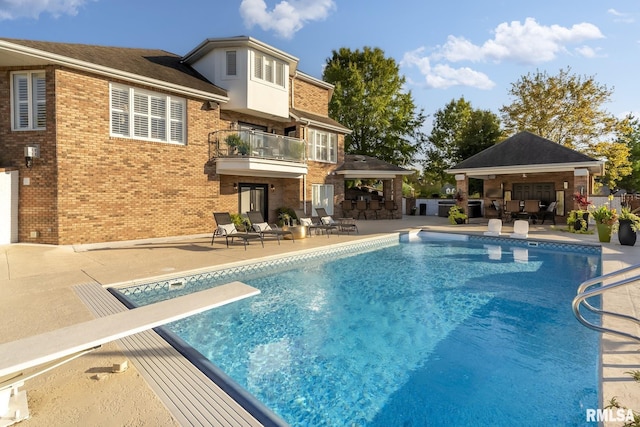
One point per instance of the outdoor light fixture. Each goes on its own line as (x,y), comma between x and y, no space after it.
(31,152)
(273,187)
(235,186)
(565,185)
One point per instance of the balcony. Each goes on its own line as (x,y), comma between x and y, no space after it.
(254,153)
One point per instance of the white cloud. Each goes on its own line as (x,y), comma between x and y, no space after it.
(621,17)
(14,9)
(524,43)
(286,17)
(442,76)
(528,43)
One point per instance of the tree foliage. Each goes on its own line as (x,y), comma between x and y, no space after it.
(631,139)
(369,99)
(569,109)
(459,132)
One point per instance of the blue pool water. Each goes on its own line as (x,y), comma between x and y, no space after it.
(428,333)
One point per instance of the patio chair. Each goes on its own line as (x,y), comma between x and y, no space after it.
(317,225)
(227,229)
(494,227)
(374,205)
(531,209)
(346,225)
(520,229)
(391,206)
(260,226)
(347,208)
(550,212)
(512,210)
(361,207)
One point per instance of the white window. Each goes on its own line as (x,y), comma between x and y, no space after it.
(28,100)
(141,114)
(232,66)
(323,146)
(268,69)
(322,197)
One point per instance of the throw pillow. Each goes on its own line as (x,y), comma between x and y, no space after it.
(306,221)
(261,226)
(327,220)
(226,229)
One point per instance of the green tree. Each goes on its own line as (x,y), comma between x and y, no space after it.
(369,99)
(569,109)
(631,138)
(459,132)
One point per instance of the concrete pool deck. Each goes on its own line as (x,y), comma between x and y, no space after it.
(36,296)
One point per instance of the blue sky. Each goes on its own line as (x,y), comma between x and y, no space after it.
(446,50)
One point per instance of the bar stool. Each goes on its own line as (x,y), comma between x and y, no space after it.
(361,207)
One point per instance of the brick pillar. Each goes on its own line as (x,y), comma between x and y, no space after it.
(462,187)
(581,186)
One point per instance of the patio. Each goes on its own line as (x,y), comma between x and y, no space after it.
(37,296)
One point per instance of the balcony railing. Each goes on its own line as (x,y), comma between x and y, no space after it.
(250,143)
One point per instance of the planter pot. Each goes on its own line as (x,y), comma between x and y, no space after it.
(626,235)
(604,232)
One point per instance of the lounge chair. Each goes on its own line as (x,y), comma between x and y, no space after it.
(317,225)
(520,229)
(494,227)
(343,225)
(550,212)
(227,229)
(260,226)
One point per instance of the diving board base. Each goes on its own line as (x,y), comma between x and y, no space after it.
(15,406)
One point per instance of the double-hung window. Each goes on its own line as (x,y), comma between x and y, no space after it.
(28,100)
(142,114)
(322,146)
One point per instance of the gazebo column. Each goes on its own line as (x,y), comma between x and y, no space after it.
(462,188)
(581,185)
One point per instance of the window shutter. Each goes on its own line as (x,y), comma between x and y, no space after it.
(140,115)
(39,101)
(280,74)
(177,120)
(158,118)
(21,101)
(231,63)
(257,66)
(268,70)
(119,111)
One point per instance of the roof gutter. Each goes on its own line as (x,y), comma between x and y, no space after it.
(596,168)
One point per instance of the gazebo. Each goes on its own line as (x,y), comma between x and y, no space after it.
(529,167)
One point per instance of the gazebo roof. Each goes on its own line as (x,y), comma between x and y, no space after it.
(359,166)
(526,152)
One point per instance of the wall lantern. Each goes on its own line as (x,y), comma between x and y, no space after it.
(235,186)
(31,152)
(565,185)
(273,187)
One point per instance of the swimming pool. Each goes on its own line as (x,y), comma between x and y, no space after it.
(442,332)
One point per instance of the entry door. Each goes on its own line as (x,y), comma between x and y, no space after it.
(253,197)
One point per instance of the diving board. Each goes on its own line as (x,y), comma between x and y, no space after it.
(41,351)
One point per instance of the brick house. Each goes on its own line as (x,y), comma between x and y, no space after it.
(112,144)
(529,167)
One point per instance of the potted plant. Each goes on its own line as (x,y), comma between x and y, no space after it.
(235,143)
(577,221)
(457,215)
(628,225)
(605,218)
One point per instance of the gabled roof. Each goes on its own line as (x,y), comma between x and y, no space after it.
(154,67)
(526,152)
(359,166)
(317,120)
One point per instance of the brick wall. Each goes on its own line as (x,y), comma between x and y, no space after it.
(309,97)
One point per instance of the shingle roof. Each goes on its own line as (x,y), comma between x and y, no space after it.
(356,162)
(151,63)
(525,149)
(323,120)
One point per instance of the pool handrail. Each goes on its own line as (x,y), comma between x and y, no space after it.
(584,293)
